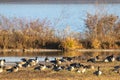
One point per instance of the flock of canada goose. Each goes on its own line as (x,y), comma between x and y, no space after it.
(58,64)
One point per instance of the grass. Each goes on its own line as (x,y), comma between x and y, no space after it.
(31,74)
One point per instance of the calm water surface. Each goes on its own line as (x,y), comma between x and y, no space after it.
(15,57)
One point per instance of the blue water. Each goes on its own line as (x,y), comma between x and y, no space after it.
(18,59)
(72,15)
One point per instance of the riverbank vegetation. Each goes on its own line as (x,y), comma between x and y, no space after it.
(102,32)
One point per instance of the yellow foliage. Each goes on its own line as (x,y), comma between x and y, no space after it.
(70,44)
(96,43)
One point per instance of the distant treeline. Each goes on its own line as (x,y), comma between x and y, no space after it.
(102,32)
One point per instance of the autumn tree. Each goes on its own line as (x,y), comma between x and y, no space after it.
(101,28)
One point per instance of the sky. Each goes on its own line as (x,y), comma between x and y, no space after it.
(59,1)
(69,14)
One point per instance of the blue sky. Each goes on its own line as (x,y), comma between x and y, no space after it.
(70,15)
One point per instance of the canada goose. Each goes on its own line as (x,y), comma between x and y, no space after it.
(1,69)
(36,60)
(57,68)
(118,58)
(49,66)
(116,69)
(63,67)
(13,69)
(25,59)
(20,64)
(7,68)
(81,70)
(37,68)
(70,68)
(63,59)
(56,61)
(40,67)
(46,59)
(2,62)
(78,71)
(76,65)
(110,58)
(98,57)
(33,62)
(43,67)
(106,60)
(26,65)
(68,59)
(98,72)
(90,67)
(93,59)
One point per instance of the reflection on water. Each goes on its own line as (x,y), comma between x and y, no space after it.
(16,56)
(30,54)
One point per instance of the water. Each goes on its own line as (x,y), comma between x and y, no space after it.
(16,57)
(60,15)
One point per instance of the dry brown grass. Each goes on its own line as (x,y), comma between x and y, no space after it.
(30,74)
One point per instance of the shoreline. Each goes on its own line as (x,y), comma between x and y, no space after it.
(99,50)
(58,50)
(30,50)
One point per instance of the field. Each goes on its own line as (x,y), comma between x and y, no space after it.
(48,74)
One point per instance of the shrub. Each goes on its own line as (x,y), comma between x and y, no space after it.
(70,44)
(96,43)
(105,45)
